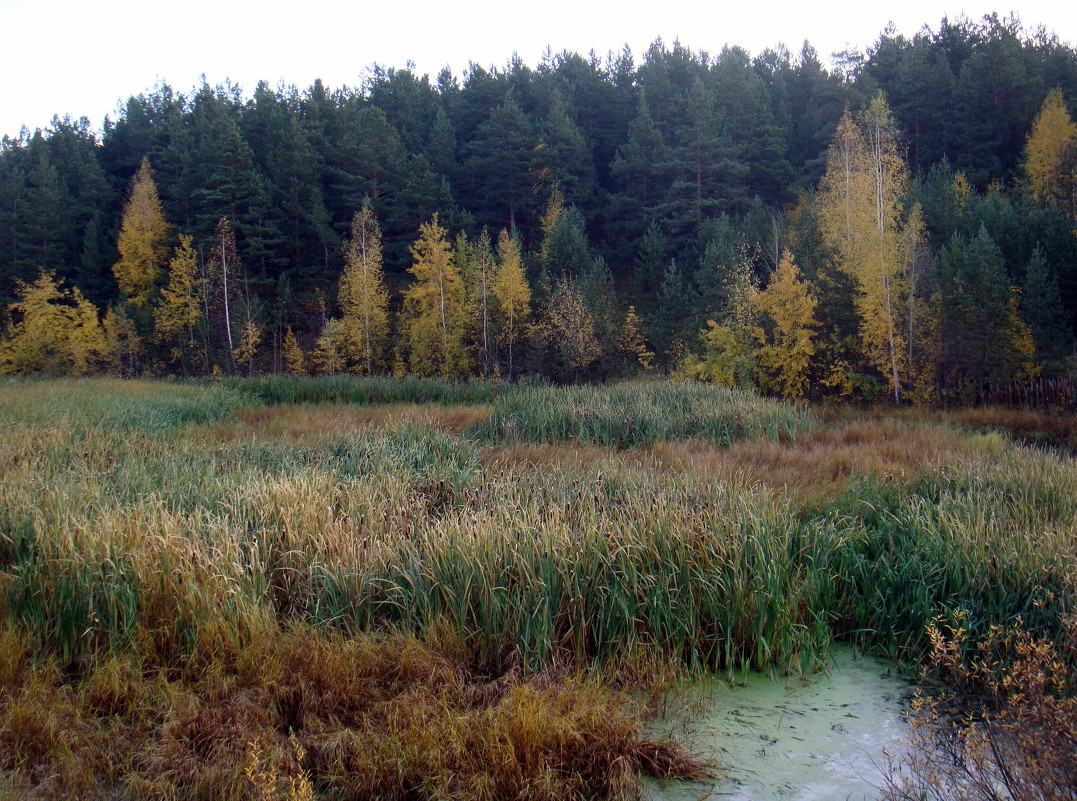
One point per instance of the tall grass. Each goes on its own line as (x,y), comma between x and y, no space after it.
(111,404)
(405,527)
(365,390)
(627,415)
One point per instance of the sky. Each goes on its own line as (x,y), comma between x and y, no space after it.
(82,58)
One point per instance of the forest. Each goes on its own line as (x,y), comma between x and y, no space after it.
(901,225)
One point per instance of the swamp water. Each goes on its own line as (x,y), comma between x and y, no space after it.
(816,738)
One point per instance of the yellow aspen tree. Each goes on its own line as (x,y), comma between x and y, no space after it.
(433,307)
(476,262)
(51,330)
(364,300)
(569,328)
(329,357)
(87,347)
(294,360)
(249,339)
(632,344)
(37,325)
(861,218)
(1017,334)
(724,356)
(513,293)
(554,208)
(124,344)
(141,243)
(787,325)
(182,304)
(728,352)
(1052,133)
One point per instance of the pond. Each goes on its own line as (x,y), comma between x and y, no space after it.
(821,737)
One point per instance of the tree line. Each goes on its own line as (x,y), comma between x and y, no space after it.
(901,224)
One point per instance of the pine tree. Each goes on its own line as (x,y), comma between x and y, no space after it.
(1042,307)
(433,307)
(787,325)
(562,157)
(364,300)
(640,170)
(512,292)
(143,232)
(564,247)
(670,325)
(599,293)
(984,338)
(649,266)
(501,161)
(709,175)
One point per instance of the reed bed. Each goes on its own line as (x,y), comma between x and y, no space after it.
(633,414)
(180,560)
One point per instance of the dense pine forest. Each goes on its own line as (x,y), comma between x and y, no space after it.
(900,225)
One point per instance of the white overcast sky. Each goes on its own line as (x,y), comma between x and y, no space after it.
(81,58)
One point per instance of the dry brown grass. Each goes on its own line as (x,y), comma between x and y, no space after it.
(314,424)
(822,464)
(1034,426)
(366,717)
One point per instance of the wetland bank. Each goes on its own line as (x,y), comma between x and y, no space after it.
(286,588)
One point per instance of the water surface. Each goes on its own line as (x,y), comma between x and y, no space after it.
(823,737)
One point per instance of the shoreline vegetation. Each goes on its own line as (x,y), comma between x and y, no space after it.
(350,588)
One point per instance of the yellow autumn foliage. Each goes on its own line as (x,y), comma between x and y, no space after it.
(52,330)
(141,243)
(1052,133)
(364,300)
(787,325)
(434,307)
